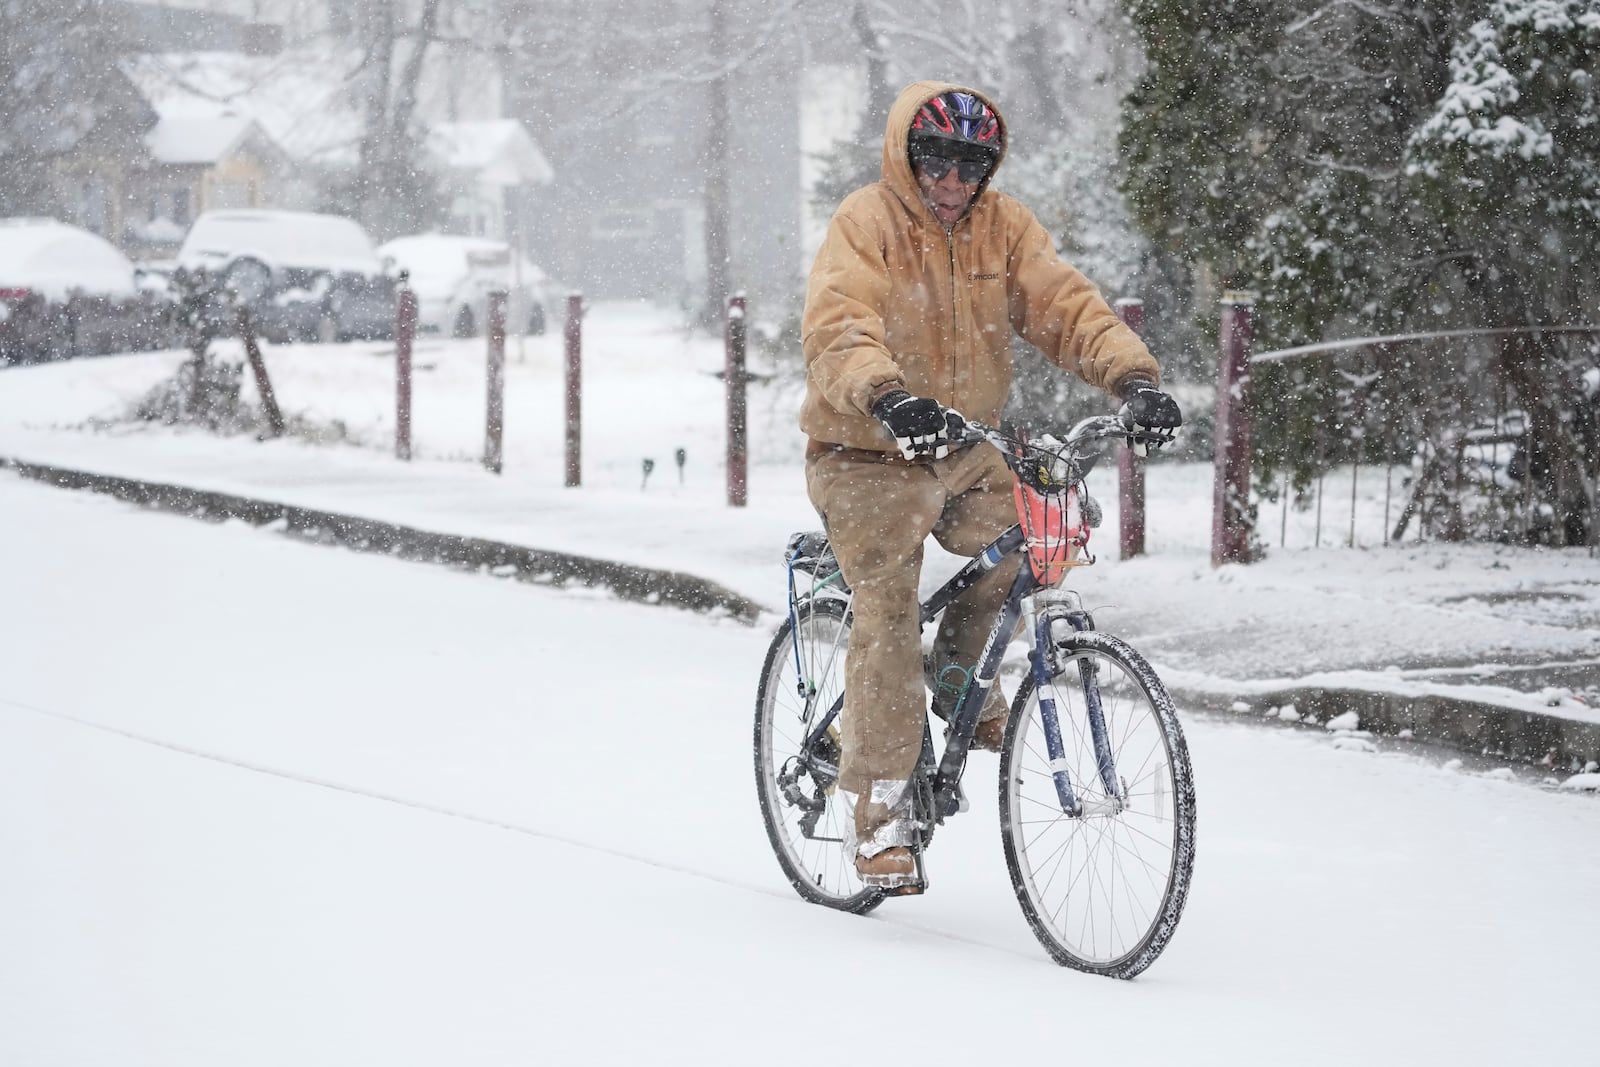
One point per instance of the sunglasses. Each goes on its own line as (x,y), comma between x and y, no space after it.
(967,170)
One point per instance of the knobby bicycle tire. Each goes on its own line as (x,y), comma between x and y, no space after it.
(1103,893)
(820,866)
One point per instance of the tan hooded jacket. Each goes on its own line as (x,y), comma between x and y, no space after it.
(895,300)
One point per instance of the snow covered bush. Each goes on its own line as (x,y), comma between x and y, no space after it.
(205,393)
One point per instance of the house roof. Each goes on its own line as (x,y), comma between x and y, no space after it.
(299,99)
(302,102)
(198,139)
(495,151)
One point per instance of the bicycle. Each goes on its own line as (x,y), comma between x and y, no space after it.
(1097,799)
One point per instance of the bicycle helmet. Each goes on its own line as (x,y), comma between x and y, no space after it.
(956,125)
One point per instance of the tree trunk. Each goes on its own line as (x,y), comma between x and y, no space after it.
(718,160)
(879,94)
(405,99)
(379,64)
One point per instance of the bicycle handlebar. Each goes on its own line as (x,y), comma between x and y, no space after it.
(1049,463)
(1090,430)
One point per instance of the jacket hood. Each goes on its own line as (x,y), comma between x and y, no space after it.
(897,140)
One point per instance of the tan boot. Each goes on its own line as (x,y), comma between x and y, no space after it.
(889,869)
(989,734)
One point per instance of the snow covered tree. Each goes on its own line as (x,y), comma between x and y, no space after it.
(393,189)
(1202,126)
(1265,145)
(59,93)
(1509,163)
(1374,168)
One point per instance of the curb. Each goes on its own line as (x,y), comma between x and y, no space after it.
(1468,726)
(626,581)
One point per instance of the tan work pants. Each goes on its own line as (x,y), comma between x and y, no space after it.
(878,510)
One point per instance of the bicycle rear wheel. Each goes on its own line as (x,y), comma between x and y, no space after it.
(806,815)
(1103,890)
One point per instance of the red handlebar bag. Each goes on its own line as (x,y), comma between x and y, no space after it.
(1055,531)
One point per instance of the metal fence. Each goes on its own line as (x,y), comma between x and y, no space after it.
(1425,437)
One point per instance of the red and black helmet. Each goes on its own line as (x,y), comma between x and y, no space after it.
(957,126)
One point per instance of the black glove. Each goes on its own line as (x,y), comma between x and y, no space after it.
(1153,415)
(920,426)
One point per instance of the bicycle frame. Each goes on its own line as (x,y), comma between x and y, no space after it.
(1055,615)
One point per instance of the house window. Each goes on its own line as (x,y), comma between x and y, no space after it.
(92,207)
(180,206)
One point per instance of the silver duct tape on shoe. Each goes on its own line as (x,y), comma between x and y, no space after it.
(898,830)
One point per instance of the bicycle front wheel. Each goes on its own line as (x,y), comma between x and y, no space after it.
(806,815)
(1103,887)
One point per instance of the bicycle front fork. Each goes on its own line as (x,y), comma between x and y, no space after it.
(1058,614)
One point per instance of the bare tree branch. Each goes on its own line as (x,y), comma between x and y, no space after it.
(636,92)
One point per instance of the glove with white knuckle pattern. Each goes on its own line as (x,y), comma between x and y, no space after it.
(919,425)
(1151,414)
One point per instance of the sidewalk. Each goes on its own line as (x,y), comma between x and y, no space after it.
(1484,649)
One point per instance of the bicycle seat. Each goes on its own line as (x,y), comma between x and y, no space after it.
(810,551)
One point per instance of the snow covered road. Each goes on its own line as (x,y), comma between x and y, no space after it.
(267,803)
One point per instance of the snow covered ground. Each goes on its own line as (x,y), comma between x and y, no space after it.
(268,803)
(1408,619)
(264,803)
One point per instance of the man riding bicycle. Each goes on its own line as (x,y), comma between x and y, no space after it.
(910,308)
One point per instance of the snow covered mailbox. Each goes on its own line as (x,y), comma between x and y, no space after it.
(65,291)
(304,276)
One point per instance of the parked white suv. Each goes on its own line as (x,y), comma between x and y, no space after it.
(304,276)
(453,276)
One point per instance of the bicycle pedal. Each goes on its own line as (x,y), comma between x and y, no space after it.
(896,885)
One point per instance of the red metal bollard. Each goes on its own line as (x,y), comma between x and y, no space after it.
(738,411)
(1130,467)
(574,337)
(1230,525)
(405,330)
(494,436)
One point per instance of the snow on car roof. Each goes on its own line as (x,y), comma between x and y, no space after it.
(53,258)
(443,257)
(441,245)
(279,239)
